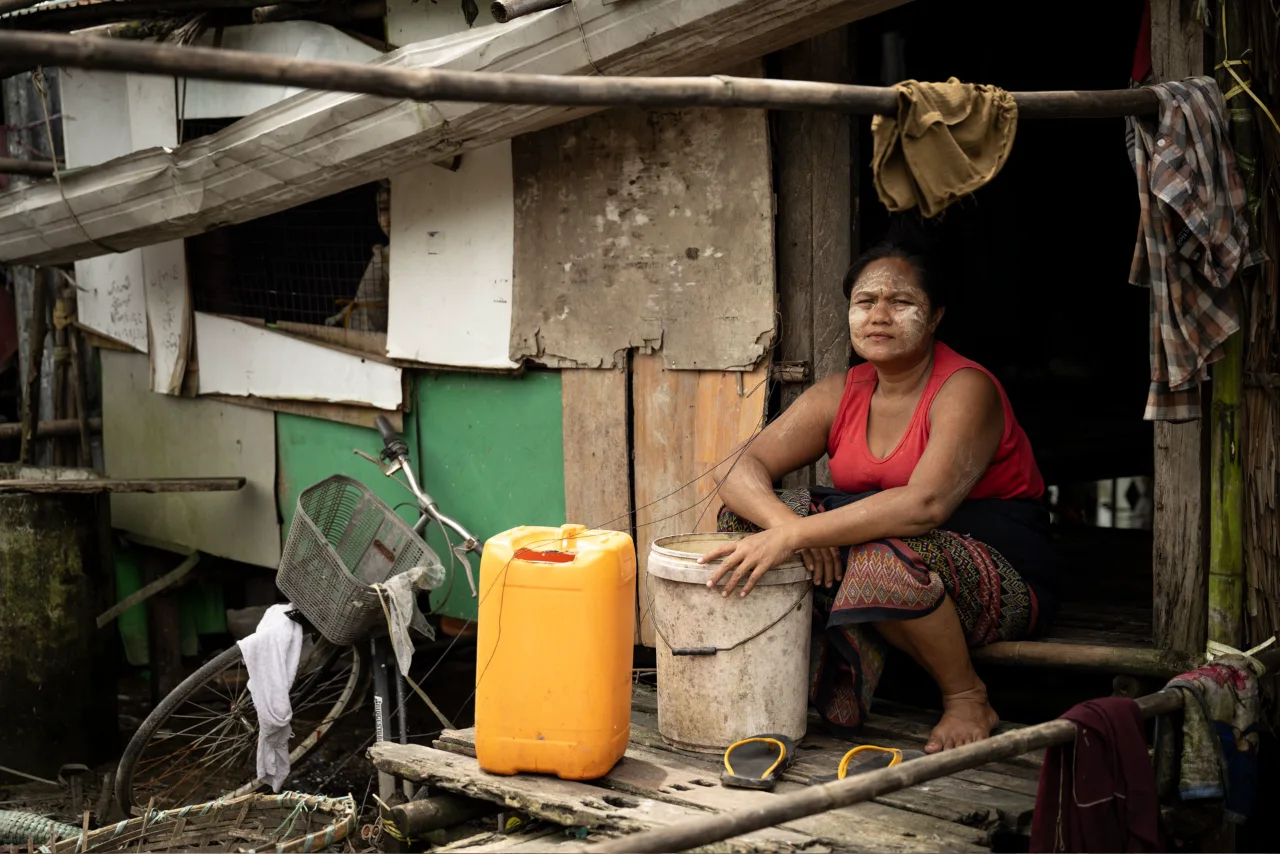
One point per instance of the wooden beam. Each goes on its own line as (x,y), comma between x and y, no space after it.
(1128,661)
(49,429)
(152,485)
(30,168)
(596,413)
(597,455)
(164,582)
(1226,475)
(35,361)
(505,11)
(1180,520)
(164,628)
(437,84)
(814,177)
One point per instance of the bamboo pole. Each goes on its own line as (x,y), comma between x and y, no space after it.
(504,11)
(30,168)
(1128,661)
(35,361)
(1226,477)
(50,429)
(326,12)
(437,84)
(80,388)
(855,790)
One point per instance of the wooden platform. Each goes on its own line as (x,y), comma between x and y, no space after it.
(656,785)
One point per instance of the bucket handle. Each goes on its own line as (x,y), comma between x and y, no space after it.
(712,650)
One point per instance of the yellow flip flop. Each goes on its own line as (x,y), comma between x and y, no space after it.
(867,757)
(757,762)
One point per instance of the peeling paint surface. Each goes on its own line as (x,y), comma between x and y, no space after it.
(650,230)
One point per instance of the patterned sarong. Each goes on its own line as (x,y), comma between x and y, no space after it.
(897,579)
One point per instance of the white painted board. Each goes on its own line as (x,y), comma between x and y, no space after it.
(211,99)
(149,435)
(168,301)
(248,360)
(452,254)
(108,115)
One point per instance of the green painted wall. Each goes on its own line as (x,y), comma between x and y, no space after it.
(488,448)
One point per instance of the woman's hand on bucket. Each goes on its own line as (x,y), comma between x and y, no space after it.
(749,558)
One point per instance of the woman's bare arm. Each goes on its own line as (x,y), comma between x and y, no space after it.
(796,438)
(966,422)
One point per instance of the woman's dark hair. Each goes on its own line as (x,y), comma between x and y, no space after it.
(908,240)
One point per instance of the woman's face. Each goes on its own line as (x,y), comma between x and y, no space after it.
(890,319)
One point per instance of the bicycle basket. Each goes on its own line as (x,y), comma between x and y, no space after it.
(344,539)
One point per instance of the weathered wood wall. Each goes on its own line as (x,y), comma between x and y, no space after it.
(649,230)
(1180,522)
(686,424)
(815,180)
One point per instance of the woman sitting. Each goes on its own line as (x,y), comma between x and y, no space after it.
(934,539)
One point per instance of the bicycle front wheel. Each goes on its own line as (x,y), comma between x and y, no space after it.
(201,741)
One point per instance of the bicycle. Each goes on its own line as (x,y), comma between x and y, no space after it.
(203,736)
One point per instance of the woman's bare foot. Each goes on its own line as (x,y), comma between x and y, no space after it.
(966,717)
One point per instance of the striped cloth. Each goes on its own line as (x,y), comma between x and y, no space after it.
(1192,240)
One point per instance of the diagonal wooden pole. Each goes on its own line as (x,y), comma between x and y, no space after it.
(854,790)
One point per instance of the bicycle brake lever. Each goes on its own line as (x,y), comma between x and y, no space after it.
(387,470)
(460,552)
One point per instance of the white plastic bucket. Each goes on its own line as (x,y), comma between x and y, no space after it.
(740,665)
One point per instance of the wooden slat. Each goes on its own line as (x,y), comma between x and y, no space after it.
(656,775)
(597,452)
(89,487)
(164,582)
(978,801)
(537,839)
(357,416)
(597,470)
(685,424)
(793,171)
(816,202)
(1180,573)
(562,801)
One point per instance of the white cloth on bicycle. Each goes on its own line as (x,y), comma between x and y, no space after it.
(402,605)
(271,656)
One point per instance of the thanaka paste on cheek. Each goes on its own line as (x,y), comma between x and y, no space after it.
(908,324)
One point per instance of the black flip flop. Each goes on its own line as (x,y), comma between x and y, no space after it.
(757,762)
(867,757)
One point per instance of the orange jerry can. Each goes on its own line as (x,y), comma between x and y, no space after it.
(553,658)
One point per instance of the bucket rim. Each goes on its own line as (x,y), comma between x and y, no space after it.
(790,571)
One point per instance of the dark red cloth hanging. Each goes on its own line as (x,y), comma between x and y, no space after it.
(1142,54)
(1098,794)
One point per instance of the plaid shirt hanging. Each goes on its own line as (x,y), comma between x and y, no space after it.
(1193,238)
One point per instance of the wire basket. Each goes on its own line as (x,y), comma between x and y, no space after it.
(287,822)
(344,539)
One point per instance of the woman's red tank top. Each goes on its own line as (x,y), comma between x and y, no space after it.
(1013,472)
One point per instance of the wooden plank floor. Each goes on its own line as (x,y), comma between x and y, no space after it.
(656,785)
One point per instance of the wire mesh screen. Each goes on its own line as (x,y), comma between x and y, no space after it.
(323,262)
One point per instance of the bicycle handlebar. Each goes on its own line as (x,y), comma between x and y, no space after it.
(395,449)
(393,445)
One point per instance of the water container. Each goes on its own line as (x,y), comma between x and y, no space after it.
(728,668)
(553,666)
